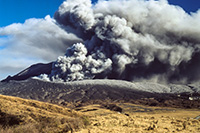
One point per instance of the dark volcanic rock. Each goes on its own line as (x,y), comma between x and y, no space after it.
(34,70)
(68,92)
(92,91)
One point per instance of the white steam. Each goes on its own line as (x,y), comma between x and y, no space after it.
(77,65)
(129,39)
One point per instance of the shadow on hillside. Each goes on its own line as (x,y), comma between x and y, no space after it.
(9,120)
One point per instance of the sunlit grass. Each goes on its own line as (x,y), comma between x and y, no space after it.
(19,115)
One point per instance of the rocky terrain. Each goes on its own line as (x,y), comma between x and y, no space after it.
(92,91)
(33,70)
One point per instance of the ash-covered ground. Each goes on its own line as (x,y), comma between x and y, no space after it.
(98,91)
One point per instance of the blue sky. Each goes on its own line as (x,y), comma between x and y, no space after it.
(187,5)
(17,11)
(14,11)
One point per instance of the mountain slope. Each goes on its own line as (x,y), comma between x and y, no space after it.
(41,117)
(94,90)
(34,70)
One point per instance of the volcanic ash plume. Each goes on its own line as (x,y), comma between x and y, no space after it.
(77,65)
(129,40)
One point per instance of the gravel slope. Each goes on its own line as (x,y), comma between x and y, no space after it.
(114,90)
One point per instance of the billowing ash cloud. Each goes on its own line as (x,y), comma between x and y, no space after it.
(77,65)
(130,40)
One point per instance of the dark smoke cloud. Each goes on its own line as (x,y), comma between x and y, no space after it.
(130,40)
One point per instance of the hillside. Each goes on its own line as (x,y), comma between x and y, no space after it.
(20,115)
(90,91)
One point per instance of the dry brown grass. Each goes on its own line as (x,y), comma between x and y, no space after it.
(28,116)
(19,115)
(134,119)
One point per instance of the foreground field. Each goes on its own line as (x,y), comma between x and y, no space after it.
(28,116)
(140,119)
(21,116)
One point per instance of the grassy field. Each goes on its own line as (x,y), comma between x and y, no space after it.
(21,116)
(140,119)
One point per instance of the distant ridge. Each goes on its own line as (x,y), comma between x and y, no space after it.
(33,70)
(114,90)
